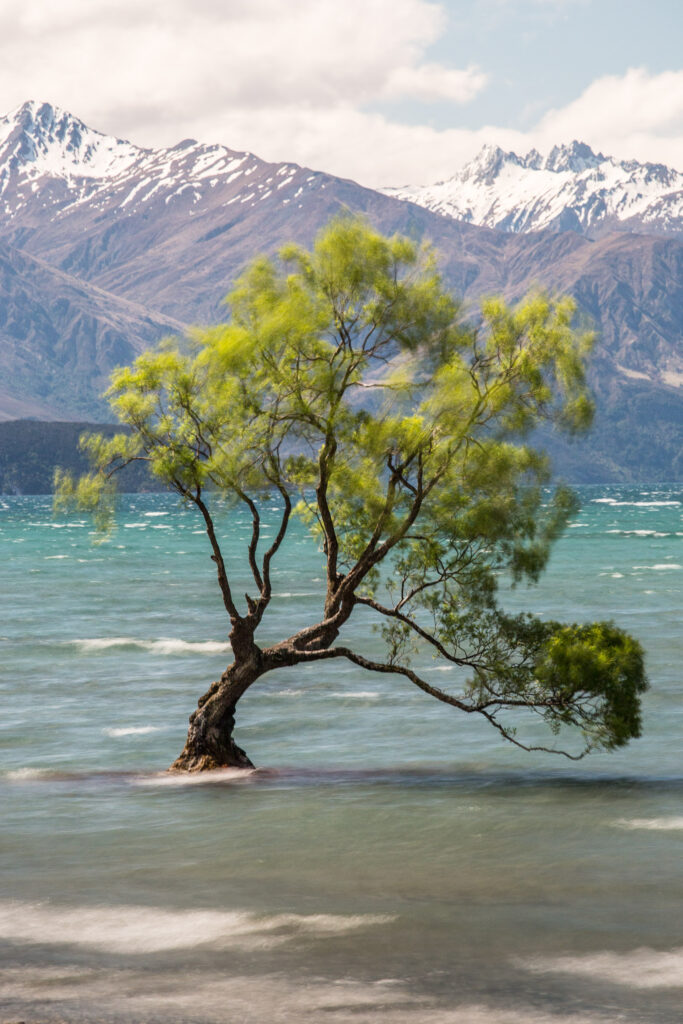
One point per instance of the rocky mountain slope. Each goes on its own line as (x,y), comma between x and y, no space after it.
(60,337)
(570,189)
(106,247)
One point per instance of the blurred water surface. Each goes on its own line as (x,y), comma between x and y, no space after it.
(391,860)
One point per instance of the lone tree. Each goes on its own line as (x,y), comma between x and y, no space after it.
(345,385)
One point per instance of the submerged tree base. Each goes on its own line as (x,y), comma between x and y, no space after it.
(207,749)
(209,744)
(192,761)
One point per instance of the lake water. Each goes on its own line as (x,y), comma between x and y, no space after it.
(393,861)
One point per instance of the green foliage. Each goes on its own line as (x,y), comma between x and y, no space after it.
(346,382)
(91,493)
(601,668)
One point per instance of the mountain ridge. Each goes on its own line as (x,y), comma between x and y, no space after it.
(571,188)
(99,267)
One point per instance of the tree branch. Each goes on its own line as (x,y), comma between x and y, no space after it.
(217,558)
(433,691)
(266,589)
(255,531)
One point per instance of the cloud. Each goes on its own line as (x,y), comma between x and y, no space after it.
(434,82)
(204,55)
(365,146)
(303,81)
(634,115)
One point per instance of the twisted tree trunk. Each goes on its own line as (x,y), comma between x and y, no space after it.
(209,741)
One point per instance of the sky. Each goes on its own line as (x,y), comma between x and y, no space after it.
(387,92)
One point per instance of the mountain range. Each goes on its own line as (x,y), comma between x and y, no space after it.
(105,247)
(570,189)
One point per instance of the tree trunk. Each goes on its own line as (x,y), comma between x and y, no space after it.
(209,741)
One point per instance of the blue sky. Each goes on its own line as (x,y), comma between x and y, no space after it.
(384,91)
(540,54)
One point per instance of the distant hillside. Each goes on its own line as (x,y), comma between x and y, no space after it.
(30,450)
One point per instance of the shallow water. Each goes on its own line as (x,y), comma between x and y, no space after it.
(391,861)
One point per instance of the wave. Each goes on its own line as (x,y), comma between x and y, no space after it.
(138,929)
(208,778)
(136,730)
(639,968)
(27,774)
(634,504)
(467,777)
(660,566)
(134,994)
(640,533)
(356,694)
(165,645)
(674,824)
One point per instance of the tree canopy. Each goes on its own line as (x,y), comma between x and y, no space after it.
(347,385)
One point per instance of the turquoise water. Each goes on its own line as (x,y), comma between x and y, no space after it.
(392,861)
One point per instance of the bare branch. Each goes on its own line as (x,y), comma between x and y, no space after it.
(255,531)
(433,691)
(217,557)
(266,589)
(393,613)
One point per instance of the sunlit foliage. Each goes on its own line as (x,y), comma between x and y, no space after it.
(347,384)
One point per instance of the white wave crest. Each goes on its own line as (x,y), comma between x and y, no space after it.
(640,968)
(638,533)
(660,566)
(171,646)
(26,774)
(218,775)
(150,515)
(633,504)
(137,929)
(356,694)
(165,645)
(674,824)
(137,730)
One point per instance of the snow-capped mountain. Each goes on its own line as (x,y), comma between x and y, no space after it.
(47,150)
(571,188)
(105,247)
(37,139)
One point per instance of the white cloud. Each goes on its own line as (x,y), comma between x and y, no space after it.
(632,115)
(433,82)
(636,115)
(199,56)
(298,81)
(367,147)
